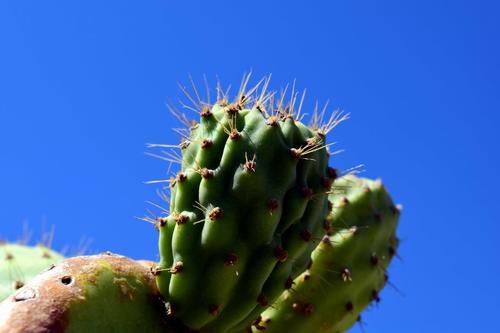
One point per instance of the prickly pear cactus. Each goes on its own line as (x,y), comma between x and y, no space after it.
(100,293)
(348,268)
(249,201)
(20,263)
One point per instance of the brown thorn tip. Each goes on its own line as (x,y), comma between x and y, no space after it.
(215,213)
(272,121)
(206,173)
(161,221)
(262,300)
(349,306)
(306,192)
(306,235)
(375,296)
(205,112)
(18,284)
(206,143)
(181,177)
(289,283)
(231,259)
(181,219)
(280,254)
(295,153)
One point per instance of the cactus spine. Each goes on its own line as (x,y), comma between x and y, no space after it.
(348,268)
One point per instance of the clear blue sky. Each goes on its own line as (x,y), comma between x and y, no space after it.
(83,87)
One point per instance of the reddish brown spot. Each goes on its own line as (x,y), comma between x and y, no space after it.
(232,108)
(375,296)
(181,219)
(289,283)
(272,204)
(307,309)
(177,267)
(156,270)
(327,227)
(206,143)
(326,183)
(184,144)
(392,251)
(374,260)
(231,259)
(9,256)
(306,276)
(234,135)
(305,235)
(272,121)
(378,217)
(295,153)
(349,306)
(344,202)
(18,284)
(207,173)
(214,310)
(181,177)
(366,189)
(205,112)
(46,255)
(280,254)
(395,210)
(250,166)
(306,192)
(332,173)
(216,213)
(326,240)
(161,221)
(262,300)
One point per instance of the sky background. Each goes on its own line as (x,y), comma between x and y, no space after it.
(84,86)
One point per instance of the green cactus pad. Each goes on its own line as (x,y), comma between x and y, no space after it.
(249,201)
(100,293)
(20,263)
(348,268)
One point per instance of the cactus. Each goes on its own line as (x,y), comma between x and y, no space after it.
(100,293)
(348,268)
(246,206)
(20,263)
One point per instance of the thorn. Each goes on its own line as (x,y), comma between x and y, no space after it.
(375,296)
(205,112)
(250,165)
(177,268)
(289,283)
(207,173)
(181,219)
(273,121)
(206,143)
(345,274)
(181,177)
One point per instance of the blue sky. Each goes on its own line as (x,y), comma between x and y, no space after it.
(84,86)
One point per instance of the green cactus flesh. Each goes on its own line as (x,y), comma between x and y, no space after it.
(348,268)
(247,204)
(100,293)
(20,263)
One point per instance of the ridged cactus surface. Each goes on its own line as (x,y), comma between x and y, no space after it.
(247,204)
(20,263)
(100,293)
(347,269)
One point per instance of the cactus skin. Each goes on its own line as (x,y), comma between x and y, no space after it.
(348,267)
(100,293)
(20,263)
(248,202)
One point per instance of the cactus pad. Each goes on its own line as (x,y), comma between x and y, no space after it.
(348,268)
(248,202)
